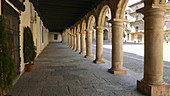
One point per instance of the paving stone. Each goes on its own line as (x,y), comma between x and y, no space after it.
(60,71)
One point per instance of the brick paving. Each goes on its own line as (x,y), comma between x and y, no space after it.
(60,71)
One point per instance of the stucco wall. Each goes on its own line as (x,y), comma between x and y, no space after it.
(30,18)
(51,37)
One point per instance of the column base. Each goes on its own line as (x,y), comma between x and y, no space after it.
(99,61)
(88,56)
(153,90)
(113,71)
(82,53)
(77,50)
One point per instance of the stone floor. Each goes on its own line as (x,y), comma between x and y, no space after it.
(60,71)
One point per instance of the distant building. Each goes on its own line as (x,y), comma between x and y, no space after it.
(134,27)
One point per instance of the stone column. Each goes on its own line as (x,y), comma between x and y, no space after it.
(89,43)
(153,50)
(74,42)
(83,35)
(62,38)
(70,40)
(99,45)
(72,45)
(78,42)
(117,47)
(66,38)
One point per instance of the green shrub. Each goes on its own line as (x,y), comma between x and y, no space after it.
(8,69)
(29,48)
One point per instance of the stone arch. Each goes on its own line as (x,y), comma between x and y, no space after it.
(83,25)
(75,31)
(91,21)
(106,34)
(78,28)
(71,31)
(102,14)
(120,10)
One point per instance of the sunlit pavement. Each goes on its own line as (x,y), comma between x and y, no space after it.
(60,71)
(138,49)
(133,58)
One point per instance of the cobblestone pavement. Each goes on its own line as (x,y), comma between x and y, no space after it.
(60,71)
(133,62)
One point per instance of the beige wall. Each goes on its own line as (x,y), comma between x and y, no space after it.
(28,19)
(51,37)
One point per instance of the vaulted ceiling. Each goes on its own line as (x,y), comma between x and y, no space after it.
(58,15)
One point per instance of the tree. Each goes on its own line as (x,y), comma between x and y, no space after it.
(29,48)
(8,69)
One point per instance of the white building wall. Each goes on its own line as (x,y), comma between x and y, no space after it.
(51,37)
(28,18)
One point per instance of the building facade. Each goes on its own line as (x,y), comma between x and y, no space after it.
(134,26)
(20,14)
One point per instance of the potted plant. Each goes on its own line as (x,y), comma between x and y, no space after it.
(8,69)
(29,49)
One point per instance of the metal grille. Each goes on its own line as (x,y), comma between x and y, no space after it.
(12,28)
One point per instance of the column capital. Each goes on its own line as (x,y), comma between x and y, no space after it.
(147,11)
(117,20)
(89,29)
(100,27)
(78,33)
(83,32)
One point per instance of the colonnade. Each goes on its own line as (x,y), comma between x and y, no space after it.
(153,48)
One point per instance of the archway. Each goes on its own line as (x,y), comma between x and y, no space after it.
(83,37)
(103,17)
(106,35)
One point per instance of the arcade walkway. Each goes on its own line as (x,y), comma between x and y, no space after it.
(59,71)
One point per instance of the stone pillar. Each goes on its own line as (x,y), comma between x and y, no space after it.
(117,47)
(66,38)
(153,50)
(74,42)
(78,42)
(99,45)
(70,40)
(89,43)
(83,35)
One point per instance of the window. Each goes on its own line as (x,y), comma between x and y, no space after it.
(136,7)
(125,17)
(55,37)
(136,28)
(126,12)
(136,17)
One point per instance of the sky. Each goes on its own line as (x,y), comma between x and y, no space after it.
(131,2)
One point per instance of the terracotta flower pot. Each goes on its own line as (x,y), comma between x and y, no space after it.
(30,67)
